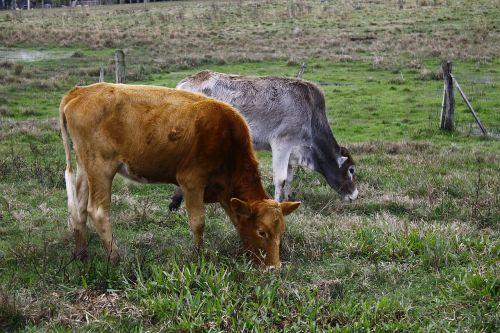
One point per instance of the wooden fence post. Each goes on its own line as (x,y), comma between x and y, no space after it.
(101,74)
(120,66)
(447,113)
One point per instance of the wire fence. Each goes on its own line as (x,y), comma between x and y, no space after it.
(482,92)
(481,89)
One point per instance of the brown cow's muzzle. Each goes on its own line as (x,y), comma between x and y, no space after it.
(272,259)
(265,260)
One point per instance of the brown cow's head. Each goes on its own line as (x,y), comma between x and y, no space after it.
(260,225)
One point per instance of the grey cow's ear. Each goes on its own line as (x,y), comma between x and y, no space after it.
(240,207)
(341,160)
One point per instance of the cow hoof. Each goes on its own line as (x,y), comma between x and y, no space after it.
(81,254)
(174,205)
(114,258)
(272,268)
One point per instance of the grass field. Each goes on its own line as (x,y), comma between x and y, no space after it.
(419,250)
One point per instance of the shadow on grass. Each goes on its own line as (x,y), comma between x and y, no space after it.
(327,204)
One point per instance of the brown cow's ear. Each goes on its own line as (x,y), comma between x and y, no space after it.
(241,208)
(289,206)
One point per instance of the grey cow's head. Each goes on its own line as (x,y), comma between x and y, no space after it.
(341,176)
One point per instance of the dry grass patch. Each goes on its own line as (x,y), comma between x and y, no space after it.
(71,309)
(271,29)
(10,128)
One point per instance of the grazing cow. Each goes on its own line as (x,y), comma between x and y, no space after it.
(161,135)
(286,116)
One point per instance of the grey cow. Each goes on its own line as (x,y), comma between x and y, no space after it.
(286,116)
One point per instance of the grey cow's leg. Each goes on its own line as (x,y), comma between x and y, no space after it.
(176,200)
(281,156)
(288,183)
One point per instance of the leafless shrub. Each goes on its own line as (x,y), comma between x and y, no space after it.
(415,64)
(9,79)
(181,13)
(18,69)
(51,83)
(484,203)
(480,28)
(426,74)
(4,111)
(398,80)
(377,61)
(10,314)
(6,64)
(330,289)
(77,54)
(28,111)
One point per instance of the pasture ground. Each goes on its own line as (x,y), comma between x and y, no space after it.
(417,252)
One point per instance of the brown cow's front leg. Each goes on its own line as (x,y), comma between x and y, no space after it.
(99,206)
(196,213)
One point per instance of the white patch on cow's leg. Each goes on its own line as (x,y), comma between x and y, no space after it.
(288,183)
(71,193)
(98,208)
(196,213)
(100,215)
(80,224)
(281,156)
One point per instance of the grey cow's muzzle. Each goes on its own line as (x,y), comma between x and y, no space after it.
(352,196)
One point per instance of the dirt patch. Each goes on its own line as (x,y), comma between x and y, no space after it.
(76,308)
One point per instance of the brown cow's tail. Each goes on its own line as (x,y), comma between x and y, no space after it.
(68,174)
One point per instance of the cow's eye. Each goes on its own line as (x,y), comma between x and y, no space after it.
(351,170)
(262,233)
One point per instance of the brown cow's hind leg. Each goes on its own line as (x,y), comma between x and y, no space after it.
(99,206)
(80,225)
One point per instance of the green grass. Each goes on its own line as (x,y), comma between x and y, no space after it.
(417,252)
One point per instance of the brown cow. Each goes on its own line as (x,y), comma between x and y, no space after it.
(161,135)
